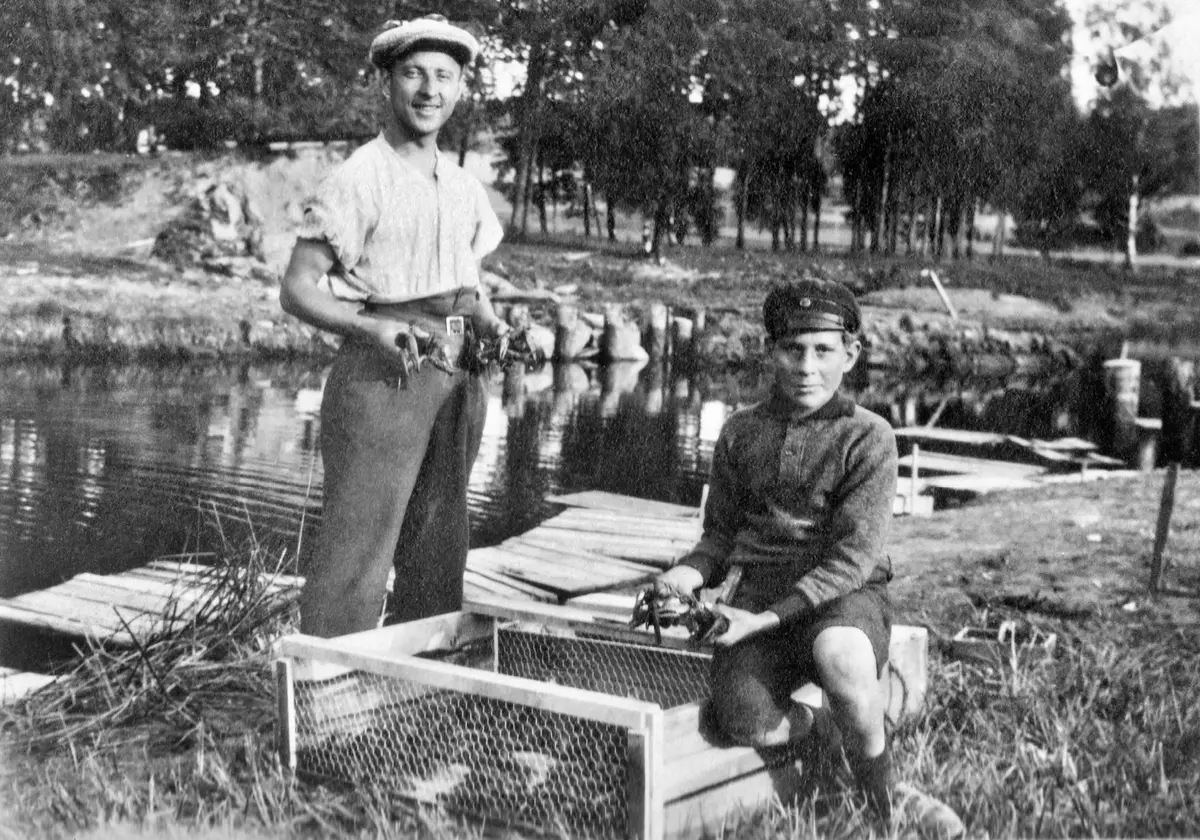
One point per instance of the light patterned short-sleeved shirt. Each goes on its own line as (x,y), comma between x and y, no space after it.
(396,234)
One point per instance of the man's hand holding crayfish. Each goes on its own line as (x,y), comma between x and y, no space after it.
(671,600)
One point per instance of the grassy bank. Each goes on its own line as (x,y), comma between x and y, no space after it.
(1098,737)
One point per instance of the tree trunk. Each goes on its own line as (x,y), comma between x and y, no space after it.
(855,217)
(591,195)
(662,224)
(893,217)
(937,228)
(816,207)
(805,198)
(587,210)
(955,222)
(1132,226)
(541,195)
(527,139)
(972,210)
(910,237)
(1000,234)
(881,207)
(926,234)
(527,193)
(611,219)
(742,199)
(789,218)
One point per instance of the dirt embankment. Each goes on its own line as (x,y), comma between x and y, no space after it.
(178,257)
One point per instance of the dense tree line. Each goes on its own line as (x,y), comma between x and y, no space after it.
(953,105)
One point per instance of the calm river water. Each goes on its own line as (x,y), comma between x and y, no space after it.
(103,469)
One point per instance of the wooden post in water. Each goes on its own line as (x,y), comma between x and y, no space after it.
(656,339)
(1176,440)
(1149,432)
(571,333)
(622,338)
(681,336)
(1122,387)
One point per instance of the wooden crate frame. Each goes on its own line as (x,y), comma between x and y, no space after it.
(678,784)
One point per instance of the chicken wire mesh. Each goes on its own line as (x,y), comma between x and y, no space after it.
(655,675)
(501,761)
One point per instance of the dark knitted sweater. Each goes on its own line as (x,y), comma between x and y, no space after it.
(811,498)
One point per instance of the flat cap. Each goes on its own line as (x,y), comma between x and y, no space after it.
(809,306)
(429,32)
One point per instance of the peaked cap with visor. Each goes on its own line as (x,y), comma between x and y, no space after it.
(810,306)
(429,32)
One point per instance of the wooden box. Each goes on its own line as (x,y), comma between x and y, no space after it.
(537,717)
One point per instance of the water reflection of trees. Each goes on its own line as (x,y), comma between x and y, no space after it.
(104,468)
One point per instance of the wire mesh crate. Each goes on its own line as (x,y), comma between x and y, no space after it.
(529,716)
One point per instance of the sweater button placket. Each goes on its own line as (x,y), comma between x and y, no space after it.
(789,456)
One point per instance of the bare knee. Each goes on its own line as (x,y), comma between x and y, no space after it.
(849,673)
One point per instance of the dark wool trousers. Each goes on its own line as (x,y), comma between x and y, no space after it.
(397,461)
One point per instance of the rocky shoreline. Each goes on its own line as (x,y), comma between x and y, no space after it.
(162,317)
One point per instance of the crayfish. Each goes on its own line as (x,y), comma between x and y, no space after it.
(504,350)
(658,608)
(477,353)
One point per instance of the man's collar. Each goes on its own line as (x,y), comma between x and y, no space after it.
(839,405)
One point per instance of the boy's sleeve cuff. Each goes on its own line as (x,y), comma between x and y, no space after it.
(791,607)
(699,562)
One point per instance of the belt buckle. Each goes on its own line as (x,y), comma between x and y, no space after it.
(455,325)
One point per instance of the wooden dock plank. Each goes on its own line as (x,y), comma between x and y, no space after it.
(656,552)
(60,624)
(15,684)
(104,617)
(957,436)
(602,522)
(502,584)
(93,606)
(608,546)
(117,596)
(476,584)
(939,463)
(604,500)
(565,578)
(615,567)
(979,485)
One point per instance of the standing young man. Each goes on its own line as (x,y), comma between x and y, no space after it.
(388,258)
(800,498)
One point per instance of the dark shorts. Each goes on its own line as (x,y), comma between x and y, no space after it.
(752,682)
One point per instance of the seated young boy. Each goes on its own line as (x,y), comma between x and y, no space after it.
(800,498)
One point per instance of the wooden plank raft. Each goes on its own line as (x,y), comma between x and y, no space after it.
(16,684)
(117,608)
(614,541)
(602,541)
